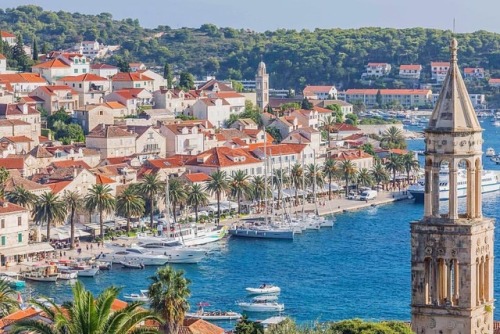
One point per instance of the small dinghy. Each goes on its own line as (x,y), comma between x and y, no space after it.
(213,315)
(137,297)
(264,289)
(132,265)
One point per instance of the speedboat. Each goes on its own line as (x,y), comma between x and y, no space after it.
(264,289)
(134,254)
(265,298)
(490,152)
(132,265)
(12,279)
(213,315)
(87,271)
(259,306)
(172,248)
(489,183)
(138,297)
(68,274)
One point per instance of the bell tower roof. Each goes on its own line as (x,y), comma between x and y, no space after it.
(453,111)
(261,70)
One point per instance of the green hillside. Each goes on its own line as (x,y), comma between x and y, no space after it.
(293,58)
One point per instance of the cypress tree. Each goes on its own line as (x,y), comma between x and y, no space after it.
(167,74)
(35,49)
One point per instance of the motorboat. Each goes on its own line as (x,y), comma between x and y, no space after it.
(175,250)
(213,315)
(262,298)
(262,306)
(261,232)
(132,265)
(264,289)
(68,274)
(142,296)
(489,183)
(87,271)
(194,235)
(104,266)
(133,254)
(44,273)
(490,152)
(12,279)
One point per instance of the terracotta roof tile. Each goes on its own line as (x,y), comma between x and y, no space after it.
(83,77)
(410,67)
(71,163)
(197,177)
(12,163)
(103,66)
(109,131)
(54,63)
(18,139)
(133,76)
(6,208)
(318,89)
(223,157)
(18,315)
(6,34)
(103,179)
(57,187)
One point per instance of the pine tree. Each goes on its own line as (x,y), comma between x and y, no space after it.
(18,54)
(35,49)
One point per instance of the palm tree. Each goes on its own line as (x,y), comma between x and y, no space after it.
(8,302)
(239,186)
(394,165)
(177,195)
(129,204)
(196,197)
(152,187)
(4,175)
(330,170)
(393,138)
(328,126)
(364,177)
(314,176)
(101,200)
(379,173)
(348,169)
(87,314)
(410,164)
(296,177)
(218,184)
(73,201)
(169,293)
(49,209)
(279,178)
(20,196)
(259,188)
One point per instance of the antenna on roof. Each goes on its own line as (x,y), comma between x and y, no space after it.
(453,26)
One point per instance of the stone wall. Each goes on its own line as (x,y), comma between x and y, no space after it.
(378,129)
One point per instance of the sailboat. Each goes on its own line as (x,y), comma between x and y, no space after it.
(270,229)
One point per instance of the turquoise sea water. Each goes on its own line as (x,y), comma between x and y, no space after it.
(359,268)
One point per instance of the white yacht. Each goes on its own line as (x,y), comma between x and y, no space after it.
(490,152)
(262,306)
(194,235)
(142,296)
(176,252)
(489,183)
(134,254)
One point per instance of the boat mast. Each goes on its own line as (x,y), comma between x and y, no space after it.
(314,184)
(265,177)
(303,185)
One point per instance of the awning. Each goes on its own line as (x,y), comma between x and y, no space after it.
(27,249)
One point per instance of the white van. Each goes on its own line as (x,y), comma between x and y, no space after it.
(368,195)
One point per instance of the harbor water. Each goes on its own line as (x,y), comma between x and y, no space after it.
(358,268)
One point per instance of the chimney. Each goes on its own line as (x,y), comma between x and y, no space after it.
(75,174)
(24,108)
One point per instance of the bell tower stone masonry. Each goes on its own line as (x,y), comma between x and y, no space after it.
(452,245)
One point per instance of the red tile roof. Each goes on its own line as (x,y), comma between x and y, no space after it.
(114,105)
(2,56)
(18,139)
(344,127)
(6,34)
(281,149)
(102,179)
(440,63)
(12,122)
(405,91)
(350,155)
(133,76)
(57,187)
(71,163)
(22,78)
(109,131)
(470,70)
(494,81)
(362,91)
(103,66)
(197,177)
(410,67)
(50,90)
(54,63)
(223,157)
(224,95)
(377,64)
(318,89)
(6,208)
(83,77)
(18,315)
(199,326)
(12,163)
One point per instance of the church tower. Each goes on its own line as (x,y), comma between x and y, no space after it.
(452,248)
(262,86)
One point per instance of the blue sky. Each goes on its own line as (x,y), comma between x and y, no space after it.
(263,15)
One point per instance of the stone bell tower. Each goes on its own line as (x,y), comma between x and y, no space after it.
(262,86)
(452,249)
